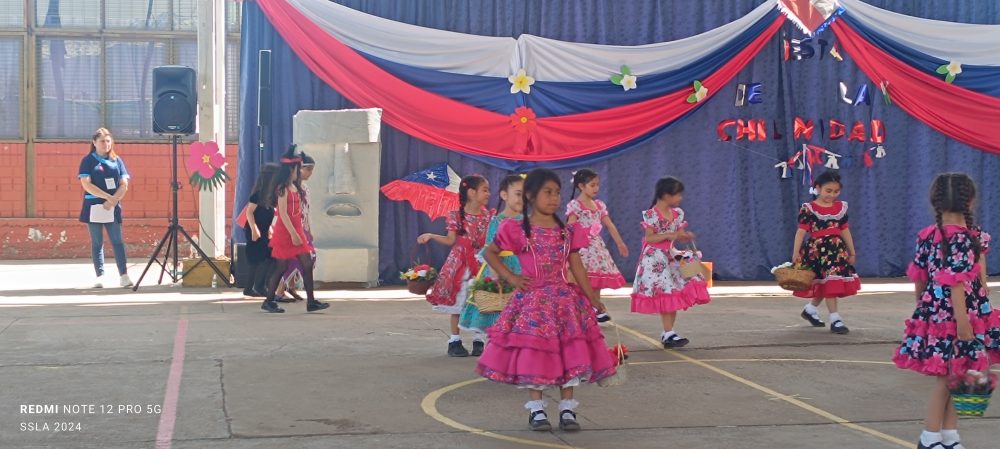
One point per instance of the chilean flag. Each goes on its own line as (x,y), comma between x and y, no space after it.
(811,16)
(433,191)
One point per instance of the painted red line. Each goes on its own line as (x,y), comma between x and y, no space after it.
(168,415)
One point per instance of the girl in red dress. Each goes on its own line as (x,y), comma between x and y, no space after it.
(289,241)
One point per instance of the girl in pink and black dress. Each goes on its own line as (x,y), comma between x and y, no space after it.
(659,287)
(592,214)
(829,252)
(548,335)
(466,235)
(954,328)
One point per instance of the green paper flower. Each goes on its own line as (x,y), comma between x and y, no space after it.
(700,92)
(950,70)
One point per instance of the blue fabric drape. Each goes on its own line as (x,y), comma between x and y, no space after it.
(744,215)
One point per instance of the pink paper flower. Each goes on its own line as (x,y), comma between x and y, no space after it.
(205,159)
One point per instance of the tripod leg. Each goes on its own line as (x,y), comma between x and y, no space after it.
(154,258)
(171,248)
(205,257)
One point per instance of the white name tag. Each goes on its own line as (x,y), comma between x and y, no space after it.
(110,183)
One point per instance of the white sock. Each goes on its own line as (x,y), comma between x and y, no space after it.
(455,338)
(568,404)
(480,337)
(811,309)
(534,406)
(667,334)
(834,317)
(929,438)
(949,436)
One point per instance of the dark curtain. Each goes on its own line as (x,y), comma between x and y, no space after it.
(744,215)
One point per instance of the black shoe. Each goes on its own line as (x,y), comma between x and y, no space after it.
(675,341)
(284,299)
(815,321)
(838,327)
(314,305)
(455,349)
(540,425)
(271,307)
(251,293)
(602,317)
(477,348)
(938,445)
(567,421)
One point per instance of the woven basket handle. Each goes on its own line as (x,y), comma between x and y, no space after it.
(414,250)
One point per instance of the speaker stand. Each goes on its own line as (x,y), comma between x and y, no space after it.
(170,239)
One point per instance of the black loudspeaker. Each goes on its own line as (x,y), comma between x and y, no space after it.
(242,274)
(175,99)
(264,88)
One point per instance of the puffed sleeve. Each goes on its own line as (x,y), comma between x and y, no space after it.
(579,237)
(510,236)
(805,218)
(917,271)
(843,221)
(984,240)
(573,208)
(960,266)
(451,223)
(602,208)
(649,219)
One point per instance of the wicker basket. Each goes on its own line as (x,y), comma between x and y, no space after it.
(419,287)
(490,302)
(621,372)
(794,279)
(692,268)
(970,404)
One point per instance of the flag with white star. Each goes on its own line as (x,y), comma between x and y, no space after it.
(433,190)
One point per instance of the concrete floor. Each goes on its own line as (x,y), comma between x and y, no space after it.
(371,372)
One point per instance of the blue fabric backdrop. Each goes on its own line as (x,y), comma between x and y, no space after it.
(744,215)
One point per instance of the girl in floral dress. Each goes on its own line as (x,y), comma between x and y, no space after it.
(592,214)
(548,335)
(466,235)
(659,287)
(829,252)
(949,269)
(511,190)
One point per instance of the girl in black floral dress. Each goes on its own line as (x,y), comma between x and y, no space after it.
(829,252)
(949,268)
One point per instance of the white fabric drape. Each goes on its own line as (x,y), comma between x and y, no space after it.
(963,42)
(543,59)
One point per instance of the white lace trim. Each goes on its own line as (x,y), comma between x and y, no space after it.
(837,216)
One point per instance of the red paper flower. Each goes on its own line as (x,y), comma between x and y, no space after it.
(523,119)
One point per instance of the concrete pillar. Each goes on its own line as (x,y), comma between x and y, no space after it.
(212,118)
(343,191)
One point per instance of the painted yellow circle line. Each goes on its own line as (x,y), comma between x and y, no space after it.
(791,400)
(429,404)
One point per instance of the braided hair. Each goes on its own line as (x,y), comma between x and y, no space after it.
(954,192)
(532,186)
(507,181)
(668,185)
(469,184)
(580,178)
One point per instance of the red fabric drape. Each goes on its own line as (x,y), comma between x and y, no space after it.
(457,126)
(964,115)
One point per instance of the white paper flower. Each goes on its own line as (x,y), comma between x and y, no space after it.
(629,82)
(422,273)
(954,68)
(520,82)
(702,93)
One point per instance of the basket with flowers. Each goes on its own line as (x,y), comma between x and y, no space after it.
(794,277)
(419,278)
(489,294)
(971,391)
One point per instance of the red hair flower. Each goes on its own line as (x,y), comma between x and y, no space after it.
(523,119)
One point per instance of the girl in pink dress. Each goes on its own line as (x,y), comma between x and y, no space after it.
(466,235)
(659,287)
(548,335)
(954,327)
(289,241)
(592,214)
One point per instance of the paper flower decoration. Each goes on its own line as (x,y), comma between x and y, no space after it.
(523,119)
(950,70)
(520,82)
(206,163)
(625,79)
(700,92)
